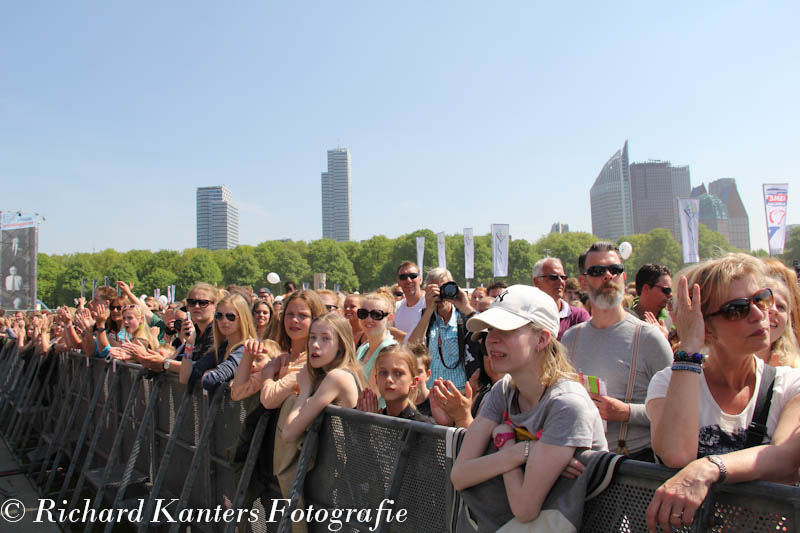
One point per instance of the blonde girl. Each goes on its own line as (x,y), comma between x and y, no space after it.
(536,416)
(233,325)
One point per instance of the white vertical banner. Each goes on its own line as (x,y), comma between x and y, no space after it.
(775,200)
(689,211)
(441,248)
(420,252)
(500,250)
(469,254)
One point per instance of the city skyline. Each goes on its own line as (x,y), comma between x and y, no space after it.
(509,124)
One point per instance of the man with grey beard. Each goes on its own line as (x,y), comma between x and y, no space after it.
(610,344)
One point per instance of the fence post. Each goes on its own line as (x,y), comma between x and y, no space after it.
(309,450)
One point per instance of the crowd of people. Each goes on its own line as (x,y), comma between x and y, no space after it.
(698,371)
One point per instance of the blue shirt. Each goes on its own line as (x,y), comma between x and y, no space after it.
(448,334)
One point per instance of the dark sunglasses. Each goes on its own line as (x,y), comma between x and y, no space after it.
(411,275)
(331,307)
(373,314)
(553,277)
(600,270)
(191,302)
(231,317)
(666,290)
(740,307)
(115,307)
(398,295)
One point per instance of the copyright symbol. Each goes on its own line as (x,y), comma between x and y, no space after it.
(12,510)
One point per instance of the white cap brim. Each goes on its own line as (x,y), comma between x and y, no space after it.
(498,318)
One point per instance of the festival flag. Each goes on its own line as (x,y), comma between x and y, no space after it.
(420,252)
(83,287)
(689,211)
(775,200)
(469,254)
(440,245)
(500,239)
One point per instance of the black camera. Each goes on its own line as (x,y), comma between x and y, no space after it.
(449,291)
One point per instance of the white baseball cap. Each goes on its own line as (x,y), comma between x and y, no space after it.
(516,306)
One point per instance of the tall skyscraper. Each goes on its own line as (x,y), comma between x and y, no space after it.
(738,221)
(612,209)
(337,221)
(655,189)
(217,219)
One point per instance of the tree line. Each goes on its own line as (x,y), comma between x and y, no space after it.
(352,266)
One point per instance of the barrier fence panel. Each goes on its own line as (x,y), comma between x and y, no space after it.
(126,433)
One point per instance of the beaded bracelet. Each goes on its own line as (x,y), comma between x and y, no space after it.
(683,357)
(687,366)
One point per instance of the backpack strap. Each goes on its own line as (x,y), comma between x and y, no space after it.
(757,429)
(623,428)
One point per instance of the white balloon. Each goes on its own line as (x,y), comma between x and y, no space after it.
(272,277)
(625,250)
(163,300)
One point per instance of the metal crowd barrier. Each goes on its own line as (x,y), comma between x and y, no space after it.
(118,434)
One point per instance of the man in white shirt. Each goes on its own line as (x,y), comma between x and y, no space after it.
(409,310)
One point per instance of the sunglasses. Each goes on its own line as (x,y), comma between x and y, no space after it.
(191,302)
(666,290)
(412,275)
(331,307)
(398,294)
(115,307)
(373,314)
(553,277)
(739,308)
(600,270)
(231,317)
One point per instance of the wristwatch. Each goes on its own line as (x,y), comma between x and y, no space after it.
(501,438)
(165,364)
(723,470)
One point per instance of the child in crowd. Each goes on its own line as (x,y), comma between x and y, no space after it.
(280,374)
(233,325)
(135,328)
(422,395)
(331,376)
(397,379)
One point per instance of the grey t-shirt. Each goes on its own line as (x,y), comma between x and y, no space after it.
(565,415)
(607,353)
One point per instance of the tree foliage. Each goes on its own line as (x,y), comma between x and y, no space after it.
(362,266)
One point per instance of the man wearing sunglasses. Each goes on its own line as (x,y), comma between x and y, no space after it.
(409,310)
(617,347)
(653,290)
(548,276)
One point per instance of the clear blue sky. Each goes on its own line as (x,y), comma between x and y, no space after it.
(457,114)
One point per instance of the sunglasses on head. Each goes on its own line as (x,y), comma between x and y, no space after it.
(410,275)
(740,307)
(600,270)
(191,302)
(331,307)
(231,317)
(374,314)
(553,277)
(666,290)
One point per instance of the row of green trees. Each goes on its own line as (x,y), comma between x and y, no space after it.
(353,266)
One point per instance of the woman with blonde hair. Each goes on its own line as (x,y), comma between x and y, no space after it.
(135,328)
(782,349)
(702,409)
(233,325)
(536,416)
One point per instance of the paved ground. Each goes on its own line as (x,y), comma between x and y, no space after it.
(17,495)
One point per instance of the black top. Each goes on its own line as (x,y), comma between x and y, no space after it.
(409,413)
